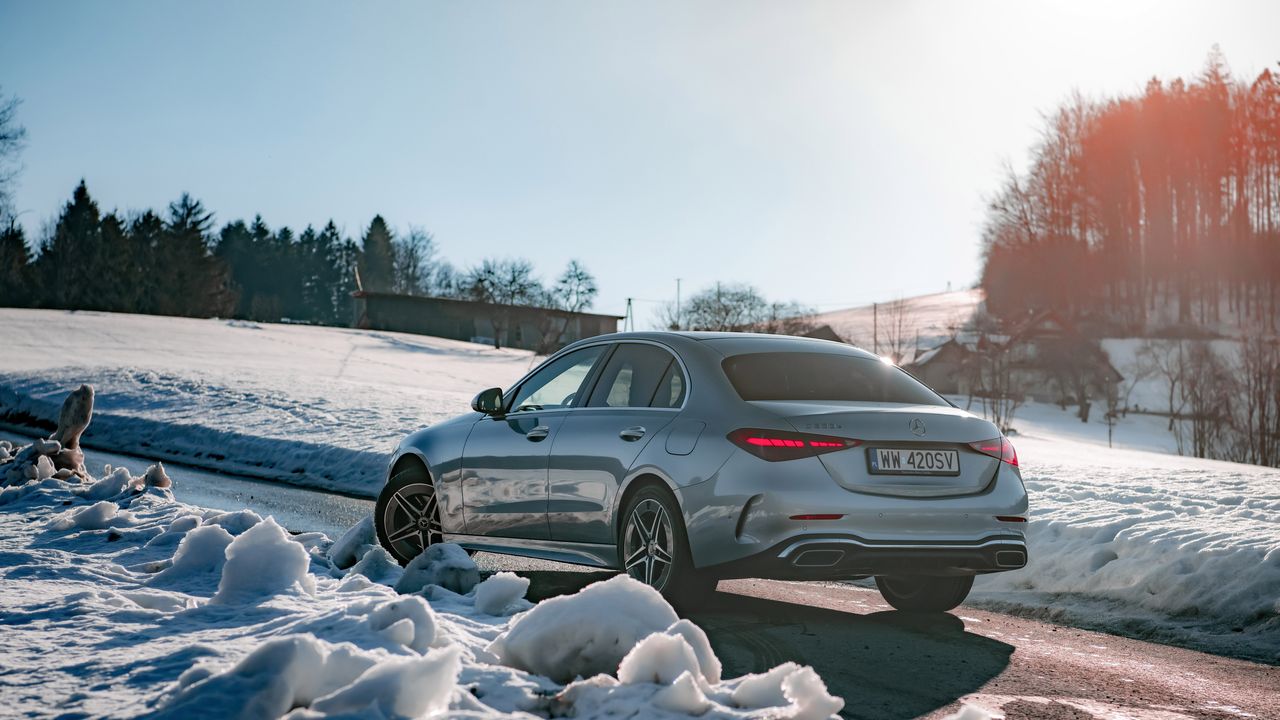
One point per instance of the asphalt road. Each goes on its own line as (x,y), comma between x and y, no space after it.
(885,664)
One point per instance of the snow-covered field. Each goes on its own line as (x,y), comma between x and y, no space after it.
(119,601)
(930,318)
(1145,542)
(319,407)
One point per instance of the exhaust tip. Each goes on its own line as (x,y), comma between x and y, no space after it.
(818,558)
(1010,558)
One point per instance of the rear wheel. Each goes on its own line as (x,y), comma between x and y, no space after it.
(921,593)
(407,516)
(654,548)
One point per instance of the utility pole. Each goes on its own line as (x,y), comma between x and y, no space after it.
(628,322)
(875,328)
(679,320)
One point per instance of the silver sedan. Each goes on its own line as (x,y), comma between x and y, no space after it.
(686,458)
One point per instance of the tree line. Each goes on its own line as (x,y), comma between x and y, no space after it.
(176,262)
(1147,213)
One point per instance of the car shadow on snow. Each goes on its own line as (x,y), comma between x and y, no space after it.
(885,664)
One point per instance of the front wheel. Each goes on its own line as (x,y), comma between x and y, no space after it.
(654,548)
(920,593)
(407,516)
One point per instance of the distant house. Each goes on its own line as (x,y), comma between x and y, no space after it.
(944,368)
(542,330)
(1046,357)
(823,332)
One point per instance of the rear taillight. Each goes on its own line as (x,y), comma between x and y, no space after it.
(776,445)
(999,448)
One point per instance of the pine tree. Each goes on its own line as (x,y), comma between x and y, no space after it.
(15,268)
(64,268)
(377,257)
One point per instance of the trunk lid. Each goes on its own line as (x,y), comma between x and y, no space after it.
(891,425)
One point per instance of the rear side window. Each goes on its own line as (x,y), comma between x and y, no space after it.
(634,375)
(823,377)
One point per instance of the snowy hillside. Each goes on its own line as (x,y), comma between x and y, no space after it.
(929,316)
(312,406)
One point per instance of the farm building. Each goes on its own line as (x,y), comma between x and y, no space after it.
(542,330)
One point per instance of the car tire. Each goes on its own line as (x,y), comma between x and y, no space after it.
(654,509)
(406,516)
(922,593)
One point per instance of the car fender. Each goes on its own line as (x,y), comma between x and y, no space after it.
(439,448)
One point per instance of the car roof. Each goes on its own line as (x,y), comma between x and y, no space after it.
(737,343)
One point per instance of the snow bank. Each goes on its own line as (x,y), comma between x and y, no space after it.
(1173,549)
(586,633)
(192,613)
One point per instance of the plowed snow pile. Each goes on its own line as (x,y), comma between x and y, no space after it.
(119,601)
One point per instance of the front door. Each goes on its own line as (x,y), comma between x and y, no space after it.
(504,465)
(640,391)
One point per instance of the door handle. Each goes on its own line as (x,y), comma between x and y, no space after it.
(632,434)
(538,433)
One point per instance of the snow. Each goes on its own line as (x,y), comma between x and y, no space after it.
(501,593)
(930,318)
(584,634)
(186,612)
(353,544)
(313,406)
(261,562)
(1165,547)
(447,566)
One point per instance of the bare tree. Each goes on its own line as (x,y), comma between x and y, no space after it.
(899,330)
(503,283)
(12,137)
(414,258)
(575,291)
(737,308)
(993,383)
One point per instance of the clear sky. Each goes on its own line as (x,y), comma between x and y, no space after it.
(829,153)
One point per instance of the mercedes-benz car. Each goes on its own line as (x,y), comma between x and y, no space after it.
(685,458)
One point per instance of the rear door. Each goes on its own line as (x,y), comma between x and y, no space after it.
(504,465)
(639,392)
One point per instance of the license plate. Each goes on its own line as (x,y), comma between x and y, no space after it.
(897,461)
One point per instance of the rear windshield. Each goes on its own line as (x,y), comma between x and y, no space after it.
(823,377)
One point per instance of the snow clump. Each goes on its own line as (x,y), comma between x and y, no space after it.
(263,561)
(586,633)
(444,564)
(501,594)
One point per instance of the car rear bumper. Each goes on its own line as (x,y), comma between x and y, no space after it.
(819,557)
(751,511)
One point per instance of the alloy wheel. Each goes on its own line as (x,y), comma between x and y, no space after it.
(649,544)
(412,520)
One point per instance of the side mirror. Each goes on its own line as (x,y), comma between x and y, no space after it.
(488,401)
